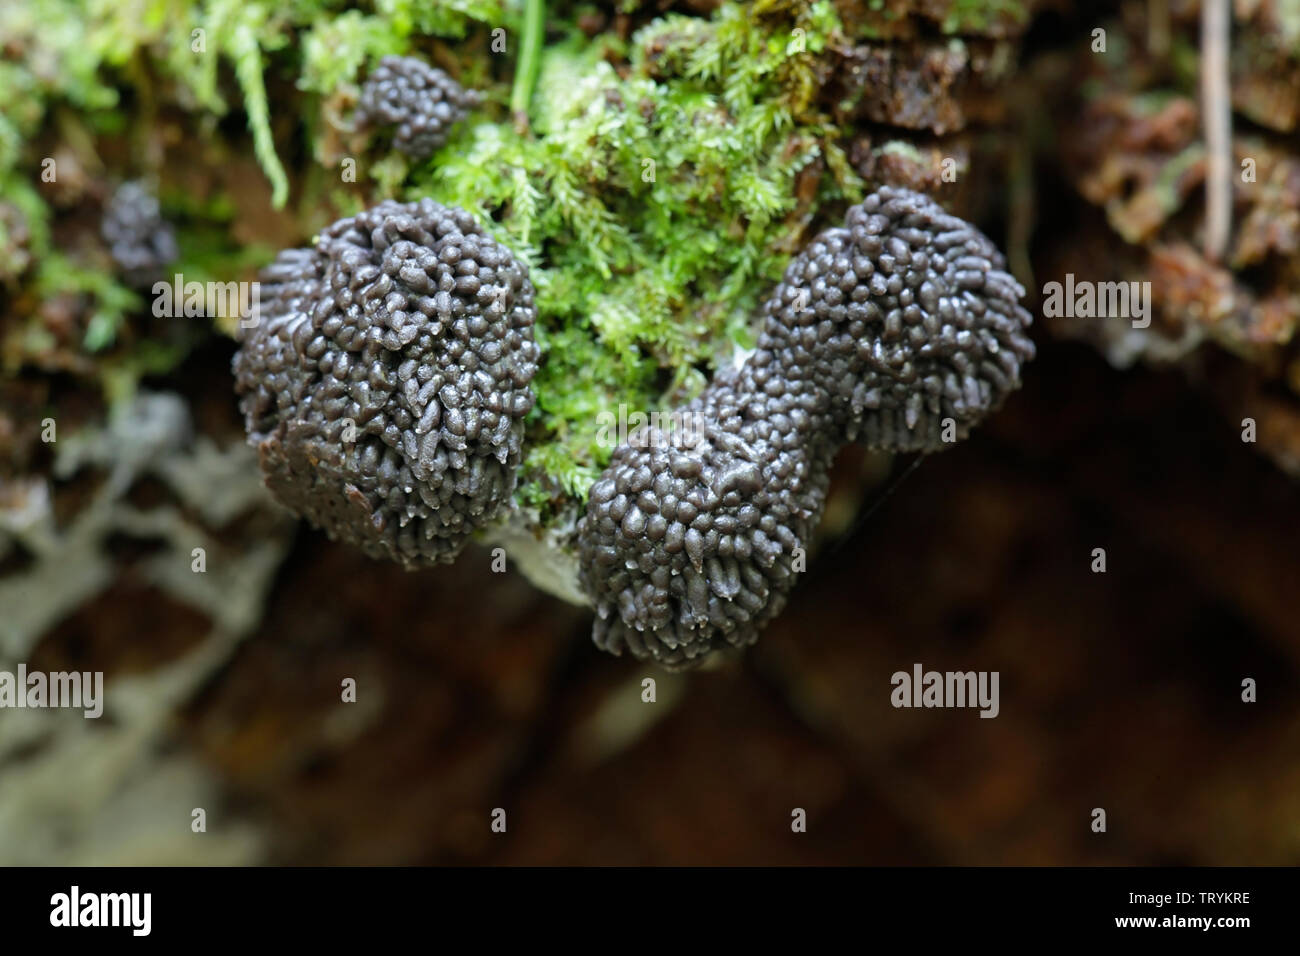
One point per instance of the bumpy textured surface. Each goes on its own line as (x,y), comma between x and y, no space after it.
(900,330)
(141,242)
(420,102)
(386,383)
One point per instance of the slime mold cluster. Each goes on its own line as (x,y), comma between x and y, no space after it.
(419,102)
(386,383)
(386,387)
(900,330)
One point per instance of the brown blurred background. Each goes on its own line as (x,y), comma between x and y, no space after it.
(1119,690)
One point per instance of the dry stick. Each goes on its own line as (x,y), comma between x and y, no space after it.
(1158,28)
(1216,116)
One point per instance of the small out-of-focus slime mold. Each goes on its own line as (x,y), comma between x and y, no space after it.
(420,103)
(142,243)
(900,330)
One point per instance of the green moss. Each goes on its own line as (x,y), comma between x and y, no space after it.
(657,189)
(335,50)
(655,204)
(977,16)
(73,64)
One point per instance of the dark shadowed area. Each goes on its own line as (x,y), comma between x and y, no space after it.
(1118,690)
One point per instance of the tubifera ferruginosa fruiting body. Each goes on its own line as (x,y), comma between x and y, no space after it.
(386,382)
(419,104)
(900,330)
(141,242)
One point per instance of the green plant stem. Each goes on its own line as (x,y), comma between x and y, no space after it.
(530,59)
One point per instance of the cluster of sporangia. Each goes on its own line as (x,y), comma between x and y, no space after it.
(419,102)
(141,242)
(389,376)
(900,330)
(387,381)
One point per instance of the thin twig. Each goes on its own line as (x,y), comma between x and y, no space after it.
(880,499)
(1158,28)
(1216,117)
